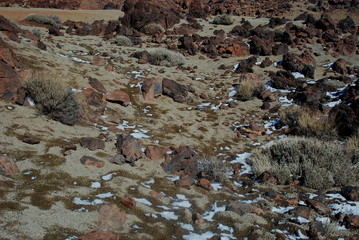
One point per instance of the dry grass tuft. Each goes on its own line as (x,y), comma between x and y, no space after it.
(214,168)
(53,97)
(248,88)
(44,19)
(123,41)
(165,57)
(152,29)
(317,164)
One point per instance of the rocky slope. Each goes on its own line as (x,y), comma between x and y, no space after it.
(133,166)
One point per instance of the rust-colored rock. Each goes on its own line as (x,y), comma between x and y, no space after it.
(156,194)
(96,84)
(350,193)
(183,160)
(156,153)
(319,207)
(118,96)
(91,161)
(99,61)
(129,202)
(129,147)
(111,217)
(205,183)
(30,138)
(100,235)
(92,104)
(151,88)
(178,92)
(185,182)
(8,166)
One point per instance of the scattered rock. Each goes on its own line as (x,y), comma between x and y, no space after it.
(129,147)
(339,66)
(129,202)
(319,207)
(118,96)
(91,161)
(96,84)
(205,183)
(303,63)
(111,217)
(345,120)
(183,160)
(92,105)
(351,221)
(240,207)
(316,229)
(151,88)
(92,143)
(30,139)
(8,166)
(350,193)
(178,92)
(156,153)
(185,182)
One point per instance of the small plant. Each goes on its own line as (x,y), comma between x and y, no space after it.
(165,57)
(123,41)
(353,142)
(44,19)
(214,168)
(249,87)
(53,98)
(306,122)
(152,29)
(317,164)
(224,19)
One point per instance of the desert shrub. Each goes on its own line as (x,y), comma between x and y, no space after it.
(214,168)
(249,87)
(224,19)
(153,28)
(353,142)
(53,98)
(305,122)
(44,19)
(165,57)
(317,164)
(123,41)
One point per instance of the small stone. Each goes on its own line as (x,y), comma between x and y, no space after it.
(8,166)
(30,139)
(111,217)
(351,221)
(118,96)
(316,229)
(156,153)
(92,143)
(156,194)
(185,182)
(205,183)
(319,207)
(87,160)
(129,202)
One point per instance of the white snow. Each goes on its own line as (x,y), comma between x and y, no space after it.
(350,208)
(79,201)
(301,220)
(195,236)
(148,183)
(143,201)
(105,195)
(108,176)
(284,99)
(185,226)
(214,209)
(168,215)
(333,104)
(282,209)
(241,158)
(335,196)
(30,101)
(140,133)
(297,75)
(222,228)
(216,186)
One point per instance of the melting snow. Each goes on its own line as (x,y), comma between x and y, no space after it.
(185,226)
(147,183)
(76,59)
(216,186)
(105,195)
(346,208)
(143,201)
(298,75)
(169,215)
(241,158)
(282,209)
(332,104)
(108,176)
(214,209)
(203,236)
(79,201)
(335,196)
(140,133)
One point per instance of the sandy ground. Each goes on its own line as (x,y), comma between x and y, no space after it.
(39,203)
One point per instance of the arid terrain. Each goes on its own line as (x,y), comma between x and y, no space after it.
(178,145)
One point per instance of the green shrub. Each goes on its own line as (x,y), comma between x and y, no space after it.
(123,41)
(53,98)
(214,168)
(317,164)
(43,19)
(306,122)
(165,57)
(224,19)
(152,29)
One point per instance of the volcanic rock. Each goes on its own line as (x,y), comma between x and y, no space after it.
(30,139)
(178,92)
(118,96)
(303,63)
(96,84)
(350,193)
(151,88)
(91,161)
(183,160)
(345,120)
(129,147)
(111,217)
(92,143)
(8,166)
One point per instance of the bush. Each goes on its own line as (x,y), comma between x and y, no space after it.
(306,122)
(123,41)
(164,57)
(44,19)
(214,168)
(224,19)
(353,142)
(152,29)
(317,164)
(249,86)
(53,98)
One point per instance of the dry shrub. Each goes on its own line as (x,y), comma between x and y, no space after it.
(317,164)
(214,168)
(165,57)
(224,19)
(43,19)
(249,87)
(152,29)
(123,41)
(353,142)
(53,97)
(306,122)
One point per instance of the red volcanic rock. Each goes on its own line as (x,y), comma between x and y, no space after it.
(183,160)
(92,104)
(111,217)
(178,92)
(198,9)
(99,61)
(185,182)
(30,139)
(151,88)
(238,50)
(205,183)
(129,147)
(339,66)
(96,84)
(91,161)
(92,143)
(156,153)
(103,235)
(139,13)
(129,202)
(303,63)
(7,166)
(319,207)
(350,193)
(118,96)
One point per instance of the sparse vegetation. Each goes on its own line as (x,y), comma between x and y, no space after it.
(214,168)
(306,122)
(353,142)
(165,57)
(152,29)
(317,164)
(44,19)
(248,88)
(224,19)
(53,97)
(123,41)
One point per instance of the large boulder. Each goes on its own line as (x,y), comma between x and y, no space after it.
(303,63)
(140,13)
(129,147)
(178,92)
(345,120)
(92,105)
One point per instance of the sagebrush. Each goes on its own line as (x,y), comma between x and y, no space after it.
(165,57)
(317,164)
(44,19)
(224,19)
(214,168)
(53,98)
(248,88)
(123,41)
(152,29)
